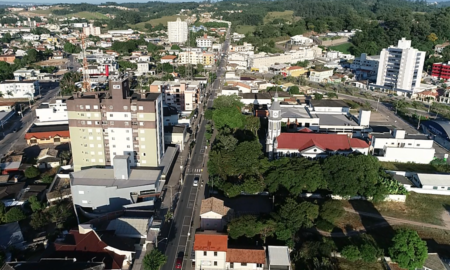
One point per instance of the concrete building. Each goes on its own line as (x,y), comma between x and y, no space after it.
(19,89)
(111,189)
(175,135)
(320,76)
(143,67)
(400,68)
(177,31)
(116,122)
(204,42)
(54,134)
(121,32)
(183,95)
(195,58)
(52,113)
(365,66)
(402,147)
(279,258)
(91,30)
(214,215)
(300,40)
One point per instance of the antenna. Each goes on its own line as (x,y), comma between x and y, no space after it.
(86,81)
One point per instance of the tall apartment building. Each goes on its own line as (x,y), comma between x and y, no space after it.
(91,30)
(178,31)
(116,122)
(205,41)
(19,89)
(400,68)
(195,58)
(441,71)
(183,95)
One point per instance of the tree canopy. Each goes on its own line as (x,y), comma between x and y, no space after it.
(408,250)
(154,260)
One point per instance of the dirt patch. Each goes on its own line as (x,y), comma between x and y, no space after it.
(53,62)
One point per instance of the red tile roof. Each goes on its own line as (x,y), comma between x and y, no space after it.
(238,255)
(168,57)
(305,130)
(211,242)
(89,243)
(49,134)
(294,67)
(328,142)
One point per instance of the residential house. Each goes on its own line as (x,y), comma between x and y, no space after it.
(48,158)
(245,259)
(210,249)
(214,215)
(10,193)
(62,263)
(11,236)
(294,71)
(168,59)
(54,134)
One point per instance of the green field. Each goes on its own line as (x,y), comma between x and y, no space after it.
(287,15)
(343,48)
(244,29)
(87,15)
(154,22)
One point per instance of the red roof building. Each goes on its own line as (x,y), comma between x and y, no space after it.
(211,241)
(441,71)
(56,134)
(318,145)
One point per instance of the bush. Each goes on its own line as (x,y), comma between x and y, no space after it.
(14,214)
(369,253)
(47,179)
(324,225)
(331,210)
(32,172)
(351,253)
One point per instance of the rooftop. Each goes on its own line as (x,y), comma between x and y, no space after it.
(51,128)
(335,120)
(328,103)
(295,112)
(211,241)
(241,255)
(279,256)
(213,205)
(429,179)
(129,226)
(175,129)
(326,142)
(54,264)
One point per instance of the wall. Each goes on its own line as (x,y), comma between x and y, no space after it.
(238,266)
(388,198)
(380,143)
(207,262)
(416,155)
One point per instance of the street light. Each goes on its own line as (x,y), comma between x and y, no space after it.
(156,244)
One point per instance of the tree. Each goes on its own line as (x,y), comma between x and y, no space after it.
(318,96)
(331,210)
(2,212)
(14,214)
(294,90)
(432,37)
(39,219)
(65,155)
(70,48)
(227,112)
(59,213)
(408,250)
(252,123)
(351,253)
(32,172)
(154,260)
(47,179)
(246,225)
(369,253)
(35,204)
(67,83)
(332,95)
(208,114)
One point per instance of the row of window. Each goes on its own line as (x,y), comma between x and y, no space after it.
(111,107)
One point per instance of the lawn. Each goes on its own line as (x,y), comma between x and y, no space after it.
(344,264)
(163,20)
(287,15)
(87,15)
(344,48)
(409,167)
(418,207)
(244,29)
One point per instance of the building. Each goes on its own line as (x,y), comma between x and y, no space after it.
(183,95)
(441,71)
(62,263)
(244,259)
(214,215)
(121,32)
(19,89)
(435,182)
(175,135)
(116,122)
(7,58)
(205,41)
(91,30)
(439,131)
(111,189)
(143,67)
(402,147)
(52,113)
(294,71)
(279,258)
(177,31)
(320,76)
(195,58)
(365,66)
(400,68)
(300,40)
(168,59)
(52,134)
(11,236)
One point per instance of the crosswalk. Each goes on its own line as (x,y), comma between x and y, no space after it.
(193,170)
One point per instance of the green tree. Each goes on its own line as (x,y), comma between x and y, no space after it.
(2,212)
(32,172)
(175,47)
(59,213)
(39,220)
(246,225)
(67,83)
(227,112)
(70,48)
(408,250)
(208,114)
(318,96)
(14,214)
(35,204)
(294,90)
(351,253)
(331,210)
(369,253)
(252,123)
(154,260)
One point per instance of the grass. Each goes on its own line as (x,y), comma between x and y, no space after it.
(287,15)
(163,20)
(344,264)
(244,29)
(343,48)
(418,207)
(409,167)
(87,15)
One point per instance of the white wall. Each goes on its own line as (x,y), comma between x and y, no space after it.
(120,142)
(239,266)
(207,262)
(416,155)
(380,143)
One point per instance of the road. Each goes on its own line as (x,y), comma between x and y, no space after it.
(178,239)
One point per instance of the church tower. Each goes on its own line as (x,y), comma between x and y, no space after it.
(274,128)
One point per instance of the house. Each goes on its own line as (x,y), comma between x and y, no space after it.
(7,106)
(10,193)
(434,262)
(243,259)
(7,58)
(210,249)
(11,236)
(434,182)
(256,98)
(214,215)
(402,147)
(168,59)
(294,71)
(279,258)
(48,158)
(11,164)
(55,134)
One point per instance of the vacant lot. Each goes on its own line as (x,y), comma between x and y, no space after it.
(154,22)
(52,62)
(348,265)
(418,207)
(244,29)
(343,48)
(409,167)
(287,15)
(87,15)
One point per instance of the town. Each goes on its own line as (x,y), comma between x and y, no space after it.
(218,135)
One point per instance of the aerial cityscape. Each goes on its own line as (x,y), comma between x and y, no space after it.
(225,135)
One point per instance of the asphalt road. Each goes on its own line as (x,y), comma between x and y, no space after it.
(179,234)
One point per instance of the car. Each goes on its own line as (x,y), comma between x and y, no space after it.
(179,263)
(196,181)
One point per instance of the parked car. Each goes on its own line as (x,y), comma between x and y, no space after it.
(196,181)
(179,263)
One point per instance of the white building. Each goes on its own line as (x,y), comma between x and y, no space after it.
(31,37)
(320,75)
(400,68)
(214,214)
(52,113)
(279,258)
(120,32)
(204,42)
(437,183)
(177,31)
(365,66)
(91,30)
(143,67)
(402,147)
(19,89)
(300,40)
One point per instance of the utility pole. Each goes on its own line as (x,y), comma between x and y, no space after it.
(378,102)
(418,125)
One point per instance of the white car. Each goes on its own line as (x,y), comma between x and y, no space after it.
(195,182)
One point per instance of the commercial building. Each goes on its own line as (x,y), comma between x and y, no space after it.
(195,58)
(183,95)
(365,66)
(116,122)
(121,32)
(204,42)
(320,76)
(19,89)
(300,40)
(177,31)
(111,189)
(441,71)
(54,134)
(439,131)
(91,30)
(400,68)
(52,113)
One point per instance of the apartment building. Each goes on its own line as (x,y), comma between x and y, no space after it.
(91,30)
(183,95)
(116,122)
(320,75)
(441,71)
(365,66)
(400,68)
(19,89)
(177,31)
(204,42)
(195,58)
(52,113)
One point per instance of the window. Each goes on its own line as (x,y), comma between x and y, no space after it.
(418,144)
(100,160)
(215,253)
(142,131)
(215,263)
(127,124)
(144,161)
(91,137)
(93,160)
(204,253)
(141,115)
(434,187)
(143,139)
(99,145)
(143,146)
(243,264)
(141,123)
(125,115)
(80,192)
(114,146)
(141,108)
(113,138)
(125,107)
(128,138)
(231,265)
(88,107)
(81,107)
(144,154)
(111,107)
(95,107)
(111,115)
(128,146)
(259,265)
(84,201)
(98,138)
(91,145)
